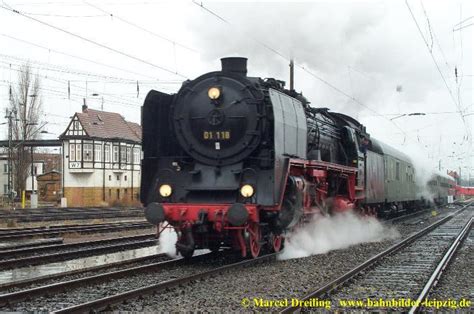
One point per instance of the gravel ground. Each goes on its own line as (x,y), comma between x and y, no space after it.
(270,280)
(273,280)
(84,294)
(458,280)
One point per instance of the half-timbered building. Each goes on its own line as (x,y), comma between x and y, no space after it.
(101,158)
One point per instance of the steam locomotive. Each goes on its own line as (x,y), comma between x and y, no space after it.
(237,161)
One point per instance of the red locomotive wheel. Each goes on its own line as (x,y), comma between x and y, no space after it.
(254,239)
(277,243)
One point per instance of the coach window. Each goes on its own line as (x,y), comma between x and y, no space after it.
(397,171)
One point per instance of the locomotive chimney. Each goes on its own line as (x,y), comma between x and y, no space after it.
(234,65)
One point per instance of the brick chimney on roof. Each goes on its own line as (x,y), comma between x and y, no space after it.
(84,106)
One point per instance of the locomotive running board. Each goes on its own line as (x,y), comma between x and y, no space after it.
(323,165)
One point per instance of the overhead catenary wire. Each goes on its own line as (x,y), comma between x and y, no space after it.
(63,69)
(118,100)
(94,42)
(115,16)
(63,15)
(457,105)
(76,57)
(462,27)
(74,97)
(433,35)
(67,82)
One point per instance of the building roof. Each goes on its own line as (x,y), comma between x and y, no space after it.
(108,125)
(40,176)
(136,128)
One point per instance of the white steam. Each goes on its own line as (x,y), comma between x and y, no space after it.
(327,233)
(167,242)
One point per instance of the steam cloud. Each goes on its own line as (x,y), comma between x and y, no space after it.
(167,242)
(327,233)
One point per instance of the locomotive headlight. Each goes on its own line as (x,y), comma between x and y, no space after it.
(214,93)
(246,190)
(165,190)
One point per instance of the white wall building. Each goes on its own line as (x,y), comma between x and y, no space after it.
(101,159)
(4,175)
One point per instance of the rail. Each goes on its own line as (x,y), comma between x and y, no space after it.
(328,287)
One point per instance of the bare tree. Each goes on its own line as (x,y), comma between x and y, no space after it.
(25,102)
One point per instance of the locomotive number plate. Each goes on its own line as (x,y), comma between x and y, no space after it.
(216,135)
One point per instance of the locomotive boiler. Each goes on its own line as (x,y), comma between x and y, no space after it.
(237,161)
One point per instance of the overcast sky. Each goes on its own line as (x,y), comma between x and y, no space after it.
(367,59)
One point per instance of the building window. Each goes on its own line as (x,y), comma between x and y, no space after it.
(35,172)
(87,152)
(136,155)
(118,178)
(110,193)
(5,189)
(123,155)
(107,152)
(98,152)
(78,152)
(5,168)
(125,178)
(110,177)
(72,152)
(116,154)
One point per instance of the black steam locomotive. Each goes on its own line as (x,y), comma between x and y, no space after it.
(232,160)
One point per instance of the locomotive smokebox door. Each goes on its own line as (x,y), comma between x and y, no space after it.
(217,117)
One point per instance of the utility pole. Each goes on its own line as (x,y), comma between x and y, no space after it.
(9,116)
(32,174)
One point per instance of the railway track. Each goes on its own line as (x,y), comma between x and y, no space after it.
(403,271)
(53,253)
(99,292)
(58,231)
(441,267)
(29,283)
(418,215)
(27,244)
(55,214)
